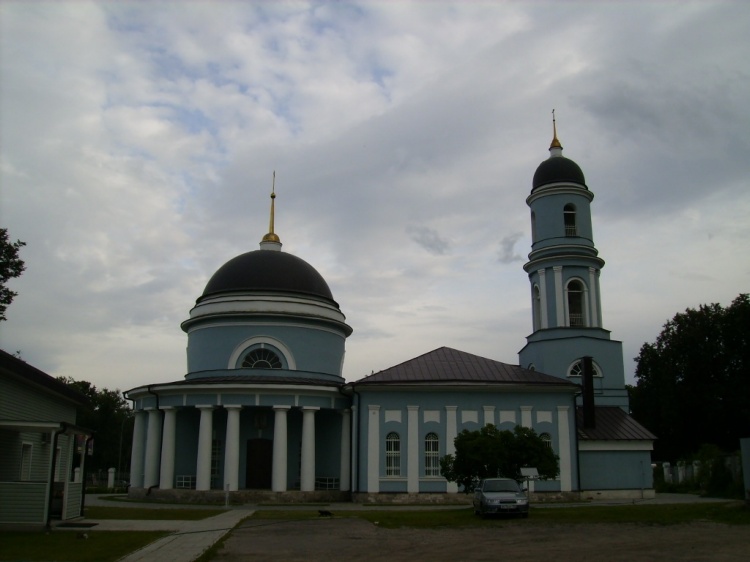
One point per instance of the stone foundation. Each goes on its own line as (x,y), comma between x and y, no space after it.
(453,499)
(218,497)
(555,497)
(406,499)
(595,495)
(240,497)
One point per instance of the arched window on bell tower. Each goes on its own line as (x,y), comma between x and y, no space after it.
(537,317)
(575,293)
(533,227)
(569,216)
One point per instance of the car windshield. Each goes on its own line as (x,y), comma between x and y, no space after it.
(500,486)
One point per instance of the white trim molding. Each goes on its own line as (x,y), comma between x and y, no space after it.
(240,349)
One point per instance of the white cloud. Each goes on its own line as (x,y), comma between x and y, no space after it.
(137,143)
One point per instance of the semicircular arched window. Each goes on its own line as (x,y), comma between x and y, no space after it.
(547,439)
(261,358)
(576,370)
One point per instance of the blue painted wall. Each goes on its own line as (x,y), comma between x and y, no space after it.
(468,402)
(314,349)
(625,470)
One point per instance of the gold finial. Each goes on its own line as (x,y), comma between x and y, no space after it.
(555,142)
(271,236)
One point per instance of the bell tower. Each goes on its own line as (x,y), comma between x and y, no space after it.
(563,269)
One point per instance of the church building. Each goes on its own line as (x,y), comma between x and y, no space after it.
(264,411)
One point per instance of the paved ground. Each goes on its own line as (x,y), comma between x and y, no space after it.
(342,537)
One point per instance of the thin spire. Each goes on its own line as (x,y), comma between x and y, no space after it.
(271,236)
(555,142)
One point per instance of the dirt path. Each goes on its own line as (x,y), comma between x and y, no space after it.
(356,539)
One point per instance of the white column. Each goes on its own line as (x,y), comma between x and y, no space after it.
(136,455)
(451,431)
(563,431)
(593,298)
(489,415)
(232,453)
(413,446)
(307,478)
(526,416)
(205,435)
(346,452)
(373,449)
(153,448)
(543,298)
(166,475)
(559,300)
(600,322)
(280,462)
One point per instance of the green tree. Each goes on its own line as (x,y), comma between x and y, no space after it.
(693,382)
(490,452)
(10,266)
(109,415)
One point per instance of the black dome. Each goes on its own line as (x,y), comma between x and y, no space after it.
(557,169)
(268,270)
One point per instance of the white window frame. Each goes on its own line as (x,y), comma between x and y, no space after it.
(584,303)
(392,454)
(432,454)
(26,460)
(569,210)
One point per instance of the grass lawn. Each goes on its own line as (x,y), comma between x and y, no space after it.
(65,546)
(161,514)
(730,512)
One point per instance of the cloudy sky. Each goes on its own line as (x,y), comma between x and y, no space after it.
(138,141)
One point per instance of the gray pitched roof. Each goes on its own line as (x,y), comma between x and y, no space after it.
(447,365)
(612,424)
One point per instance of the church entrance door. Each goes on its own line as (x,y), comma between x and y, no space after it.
(259,464)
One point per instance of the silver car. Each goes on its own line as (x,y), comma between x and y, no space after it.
(500,495)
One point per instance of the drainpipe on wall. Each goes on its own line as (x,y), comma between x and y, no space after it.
(83,474)
(51,484)
(148,389)
(589,411)
(578,450)
(355,477)
(352,475)
(161,435)
(133,410)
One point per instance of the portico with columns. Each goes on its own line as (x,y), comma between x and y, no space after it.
(219,455)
